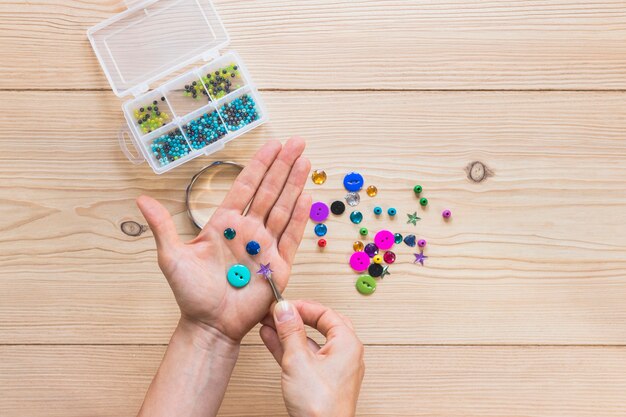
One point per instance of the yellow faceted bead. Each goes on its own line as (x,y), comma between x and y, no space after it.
(378,259)
(318,176)
(372,191)
(358,246)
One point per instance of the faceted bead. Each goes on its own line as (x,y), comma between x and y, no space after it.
(356,217)
(357,246)
(397,237)
(353,199)
(371,249)
(230,233)
(410,240)
(377,259)
(372,191)
(319,176)
(253,247)
(320,229)
(389,257)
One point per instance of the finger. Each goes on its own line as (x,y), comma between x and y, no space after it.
(292,236)
(274,181)
(249,179)
(312,344)
(160,222)
(328,322)
(290,328)
(281,213)
(272,343)
(347,321)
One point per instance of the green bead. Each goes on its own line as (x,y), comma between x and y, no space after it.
(423,201)
(417,189)
(397,238)
(363,231)
(230,233)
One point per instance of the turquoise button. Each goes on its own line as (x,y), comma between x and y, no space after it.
(238,276)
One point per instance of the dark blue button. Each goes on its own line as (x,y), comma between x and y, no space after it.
(353,181)
(253,247)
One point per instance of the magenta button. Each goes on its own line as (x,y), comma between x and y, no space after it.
(384,239)
(359,261)
(319,212)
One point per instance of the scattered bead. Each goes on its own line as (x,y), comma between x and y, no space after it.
(372,191)
(240,112)
(365,284)
(359,261)
(423,202)
(377,259)
(397,237)
(319,212)
(419,257)
(371,250)
(375,270)
(353,181)
(321,243)
(446,214)
(337,207)
(321,229)
(389,257)
(421,243)
(378,211)
(253,248)
(205,130)
(384,239)
(391,211)
(356,217)
(230,233)
(417,189)
(363,231)
(409,240)
(170,147)
(318,176)
(353,199)
(358,246)
(413,219)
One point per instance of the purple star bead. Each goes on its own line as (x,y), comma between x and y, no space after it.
(419,257)
(265,271)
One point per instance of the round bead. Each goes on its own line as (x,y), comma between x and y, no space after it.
(377,259)
(337,207)
(391,211)
(319,212)
(371,250)
(446,214)
(409,240)
(417,189)
(358,246)
(389,257)
(319,176)
(363,231)
(372,191)
(378,211)
(353,181)
(253,247)
(321,229)
(423,202)
(365,284)
(384,239)
(356,217)
(238,276)
(353,199)
(375,270)
(321,243)
(397,237)
(230,233)
(421,243)
(359,261)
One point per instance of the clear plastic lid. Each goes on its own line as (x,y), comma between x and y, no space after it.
(154,38)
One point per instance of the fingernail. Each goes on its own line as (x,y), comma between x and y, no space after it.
(283,311)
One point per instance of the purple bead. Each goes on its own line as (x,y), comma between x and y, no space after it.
(446,214)
(421,243)
(371,249)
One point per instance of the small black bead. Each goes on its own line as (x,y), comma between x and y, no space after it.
(232,75)
(142,109)
(162,98)
(235,67)
(155,102)
(186,87)
(194,83)
(149,108)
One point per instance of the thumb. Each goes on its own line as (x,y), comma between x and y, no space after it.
(290,328)
(159,220)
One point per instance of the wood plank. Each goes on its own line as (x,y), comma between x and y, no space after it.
(366,44)
(400,381)
(534,254)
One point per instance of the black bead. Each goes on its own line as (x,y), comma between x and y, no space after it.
(149,108)
(232,75)
(155,102)
(142,109)
(337,207)
(375,270)
(235,67)
(194,83)
(186,87)
(162,98)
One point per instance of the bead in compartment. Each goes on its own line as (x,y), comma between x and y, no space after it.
(222,81)
(169,147)
(205,130)
(240,112)
(152,115)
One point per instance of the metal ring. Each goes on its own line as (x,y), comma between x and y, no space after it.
(193,181)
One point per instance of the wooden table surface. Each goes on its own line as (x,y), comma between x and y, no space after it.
(521,308)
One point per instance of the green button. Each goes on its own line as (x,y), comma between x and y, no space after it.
(238,276)
(366,284)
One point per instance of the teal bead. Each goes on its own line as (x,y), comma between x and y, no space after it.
(397,237)
(230,233)
(378,211)
(356,217)
(238,275)
(391,211)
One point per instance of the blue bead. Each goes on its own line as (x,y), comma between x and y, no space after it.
(410,240)
(356,217)
(378,210)
(253,247)
(320,229)
(391,211)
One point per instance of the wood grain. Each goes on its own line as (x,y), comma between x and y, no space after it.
(102,381)
(535,254)
(366,44)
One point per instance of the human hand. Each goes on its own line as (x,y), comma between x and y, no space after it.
(315,381)
(272,185)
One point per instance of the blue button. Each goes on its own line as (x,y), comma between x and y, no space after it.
(238,275)
(320,229)
(353,181)
(253,247)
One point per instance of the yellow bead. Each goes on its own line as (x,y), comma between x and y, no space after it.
(358,246)
(378,259)
(318,176)
(372,191)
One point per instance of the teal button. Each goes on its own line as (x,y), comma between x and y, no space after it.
(238,276)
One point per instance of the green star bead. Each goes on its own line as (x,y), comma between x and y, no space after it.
(417,189)
(423,202)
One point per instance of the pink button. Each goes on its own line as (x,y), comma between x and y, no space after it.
(384,239)
(359,261)
(319,212)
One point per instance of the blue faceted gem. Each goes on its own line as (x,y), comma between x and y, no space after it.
(410,240)
(320,229)
(356,217)
(253,247)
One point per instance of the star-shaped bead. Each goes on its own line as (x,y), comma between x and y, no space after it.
(413,219)
(419,257)
(265,271)
(385,271)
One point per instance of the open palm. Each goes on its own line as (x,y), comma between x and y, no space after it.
(271,188)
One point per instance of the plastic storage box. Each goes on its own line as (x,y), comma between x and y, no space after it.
(197,112)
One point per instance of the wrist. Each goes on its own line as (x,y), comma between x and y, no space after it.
(208,338)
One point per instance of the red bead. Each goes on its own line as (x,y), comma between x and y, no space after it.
(389,257)
(321,243)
